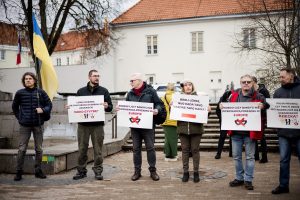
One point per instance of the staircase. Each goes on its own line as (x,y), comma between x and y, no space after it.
(210,137)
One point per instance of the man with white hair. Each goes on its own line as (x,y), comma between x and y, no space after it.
(142,92)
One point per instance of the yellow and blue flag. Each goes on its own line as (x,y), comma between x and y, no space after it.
(47,71)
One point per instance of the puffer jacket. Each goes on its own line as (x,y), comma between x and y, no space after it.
(289,91)
(148,95)
(96,90)
(190,128)
(25,103)
(167,98)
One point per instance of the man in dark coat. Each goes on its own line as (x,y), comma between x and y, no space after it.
(31,105)
(290,89)
(142,92)
(93,129)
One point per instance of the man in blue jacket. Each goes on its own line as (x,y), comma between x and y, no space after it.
(31,107)
(290,89)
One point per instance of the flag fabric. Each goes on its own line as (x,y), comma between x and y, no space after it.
(47,71)
(19,50)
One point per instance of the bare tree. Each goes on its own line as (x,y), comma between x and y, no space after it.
(273,29)
(88,16)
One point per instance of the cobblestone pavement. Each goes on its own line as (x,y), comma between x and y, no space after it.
(118,168)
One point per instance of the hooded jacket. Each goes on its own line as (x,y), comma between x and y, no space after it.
(167,98)
(289,91)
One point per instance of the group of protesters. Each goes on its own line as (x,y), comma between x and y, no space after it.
(32,107)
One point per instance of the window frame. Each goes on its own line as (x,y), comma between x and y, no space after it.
(152,49)
(199,42)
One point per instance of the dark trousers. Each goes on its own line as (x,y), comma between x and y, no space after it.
(223,135)
(138,135)
(25,133)
(190,143)
(97,137)
(263,148)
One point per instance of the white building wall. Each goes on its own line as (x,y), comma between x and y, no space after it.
(175,56)
(11,57)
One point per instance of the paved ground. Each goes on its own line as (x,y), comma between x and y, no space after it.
(215,175)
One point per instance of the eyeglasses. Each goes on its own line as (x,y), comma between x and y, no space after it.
(246,82)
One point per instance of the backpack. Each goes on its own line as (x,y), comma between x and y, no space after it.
(160,118)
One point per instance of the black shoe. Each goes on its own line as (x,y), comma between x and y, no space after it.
(79,175)
(279,190)
(154,176)
(196,177)
(235,183)
(218,156)
(248,185)
(18,176)
(98,176)
(39,174)
(256,158)
(263,160)
(186,177)
(136,176)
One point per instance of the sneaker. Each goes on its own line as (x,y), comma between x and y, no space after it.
(174,159)
(235,183)
(218,156)
(98,176)
(280,190)
(79,175)
(186,177)
(196,177)
(136,176)
(248,185)
(39,174)
(18,176)
(154,176)
(167,159)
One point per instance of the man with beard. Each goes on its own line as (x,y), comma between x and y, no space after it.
(93,129)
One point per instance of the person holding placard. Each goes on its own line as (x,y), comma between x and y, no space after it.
(170,127)
(142,92)
(290,89)
(93,129)
(190,134)
(244,174)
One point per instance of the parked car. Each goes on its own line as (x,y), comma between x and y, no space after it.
(162,88)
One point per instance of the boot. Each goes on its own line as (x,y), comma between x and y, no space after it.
(18,176)
(79,175)
(136,176)
(264,159)
(98,176)
(154,176)
(39,174)
(196,177)
(186,176)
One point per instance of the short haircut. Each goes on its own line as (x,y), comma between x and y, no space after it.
(246,75)
(254,79)
(29,74)
(289,70)
(91,72)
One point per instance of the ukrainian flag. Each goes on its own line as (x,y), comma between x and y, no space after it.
(47,71)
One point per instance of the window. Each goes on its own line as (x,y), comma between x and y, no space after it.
(58,61)
(152,45)
(2,54)
(68,61)
(197,41)
(82,59)
(249,40)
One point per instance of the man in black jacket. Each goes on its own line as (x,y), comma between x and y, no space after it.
(93,129)
(30,106)
(290,89)
(142,92)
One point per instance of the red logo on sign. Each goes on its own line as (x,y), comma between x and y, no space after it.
(135,119)
(242,122)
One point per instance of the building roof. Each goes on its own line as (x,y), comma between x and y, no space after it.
(158,10)
(9,35)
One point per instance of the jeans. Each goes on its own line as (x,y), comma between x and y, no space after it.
(97,137)
(25,133)
(285,148)
(242,173)
(138,135)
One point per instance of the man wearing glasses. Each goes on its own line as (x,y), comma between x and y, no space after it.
(93,129)
(244,175)
(142,92)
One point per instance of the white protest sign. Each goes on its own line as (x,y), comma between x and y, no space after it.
(189,108)
(86,108)
(135,114)
(283,113)
(241,116)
